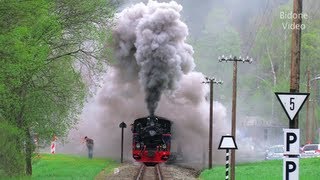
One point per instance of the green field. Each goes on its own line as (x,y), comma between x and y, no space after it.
(266,170)
(65,167)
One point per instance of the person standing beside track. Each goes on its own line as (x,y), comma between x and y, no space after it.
(90,144)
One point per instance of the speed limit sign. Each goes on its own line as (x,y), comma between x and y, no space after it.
(292,102)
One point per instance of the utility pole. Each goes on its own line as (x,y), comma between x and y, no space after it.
(295,56)
(234,104)
(211,81)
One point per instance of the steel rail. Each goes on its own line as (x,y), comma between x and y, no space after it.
(158,172)
(140,172)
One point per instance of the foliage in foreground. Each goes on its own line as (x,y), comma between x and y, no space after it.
(44,52)
(10,159)
(267,170)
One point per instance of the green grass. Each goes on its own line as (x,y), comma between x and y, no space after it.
(67,167)
(266,170)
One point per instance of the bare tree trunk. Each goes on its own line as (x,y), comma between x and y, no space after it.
(285,52)
(21,124)
(314,118)
(28,152)
(274,82)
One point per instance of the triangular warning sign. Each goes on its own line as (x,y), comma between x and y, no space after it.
(292,102)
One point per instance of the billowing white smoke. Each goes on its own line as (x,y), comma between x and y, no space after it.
(153,58)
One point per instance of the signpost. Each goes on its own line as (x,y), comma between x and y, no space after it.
(122,125)
(227,143)
(292,104)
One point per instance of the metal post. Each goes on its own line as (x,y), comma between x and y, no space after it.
(295,56)
(227,164)
(122,126)
(121,145)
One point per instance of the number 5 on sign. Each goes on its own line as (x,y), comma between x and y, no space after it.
(292,102)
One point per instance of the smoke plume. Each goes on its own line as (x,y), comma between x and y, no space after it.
(150,39)
(153,58)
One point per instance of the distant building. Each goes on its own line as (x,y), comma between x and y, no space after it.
(261,130)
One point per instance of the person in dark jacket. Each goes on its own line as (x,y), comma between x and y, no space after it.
(90,144)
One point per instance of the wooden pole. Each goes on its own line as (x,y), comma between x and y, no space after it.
(234,105)
(295,55)
(210,124)
(233,127)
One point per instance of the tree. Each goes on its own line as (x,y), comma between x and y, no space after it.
(217,39)
(272,52)
(44,46)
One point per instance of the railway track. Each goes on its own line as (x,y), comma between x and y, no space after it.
(149,173)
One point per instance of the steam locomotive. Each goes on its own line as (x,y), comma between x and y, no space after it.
(151,140)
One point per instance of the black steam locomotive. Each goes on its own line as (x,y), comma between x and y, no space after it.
(151,140)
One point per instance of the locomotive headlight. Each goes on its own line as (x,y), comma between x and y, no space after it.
(164,146)
(138,146)
(152,132)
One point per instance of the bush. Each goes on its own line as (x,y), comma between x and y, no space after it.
(11,156)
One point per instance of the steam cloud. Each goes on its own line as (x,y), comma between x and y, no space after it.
(150,39)
(153,58)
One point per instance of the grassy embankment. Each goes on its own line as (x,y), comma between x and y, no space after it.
(266,170)
(65,167)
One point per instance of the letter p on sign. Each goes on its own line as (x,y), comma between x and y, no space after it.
(291,169)
(291,141)
(291,147)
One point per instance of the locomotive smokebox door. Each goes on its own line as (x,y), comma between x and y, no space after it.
(151,153)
